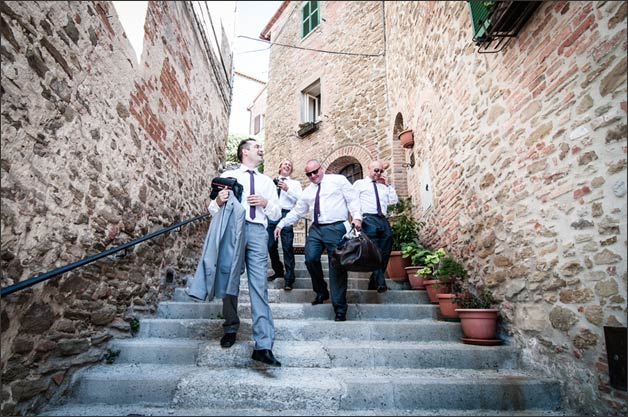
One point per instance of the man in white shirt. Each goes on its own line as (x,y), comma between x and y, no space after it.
(331,198)
(289,191)
(259,199)
(375,197)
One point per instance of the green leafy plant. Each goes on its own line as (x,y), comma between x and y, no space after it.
(478,297)
(431,262)
(405,228)
(449,269)
(111,355)
(135,326)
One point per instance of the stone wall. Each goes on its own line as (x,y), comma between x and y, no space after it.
(97,151)
(352,84)
(526,150)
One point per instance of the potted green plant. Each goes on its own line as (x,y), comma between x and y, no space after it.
(432,284)
(416,253)
(452,271)
(306,128)
(477,314)
(405,229)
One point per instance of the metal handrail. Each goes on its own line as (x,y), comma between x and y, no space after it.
(55,272)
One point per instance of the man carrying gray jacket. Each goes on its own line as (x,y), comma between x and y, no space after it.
(260,202)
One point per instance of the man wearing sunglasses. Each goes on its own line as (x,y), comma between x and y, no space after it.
(331,198)
(375,197)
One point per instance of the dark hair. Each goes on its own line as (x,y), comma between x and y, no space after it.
(242,145)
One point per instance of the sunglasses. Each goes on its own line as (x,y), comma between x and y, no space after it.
(314,172)
(377,170)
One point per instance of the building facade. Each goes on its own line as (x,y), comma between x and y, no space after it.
(518,165)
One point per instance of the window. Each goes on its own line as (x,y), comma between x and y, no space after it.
(353,172)
(309,17)
(257,124)
(311,103)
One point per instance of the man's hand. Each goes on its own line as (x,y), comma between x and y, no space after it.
(277,232)
(256,200)
(283,186)
(223,197)
(357,223)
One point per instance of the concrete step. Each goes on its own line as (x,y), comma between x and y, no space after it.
(363,330)
(353,296)
(357,283)
(170,410)
(213,310)
(314,389)
(316,354)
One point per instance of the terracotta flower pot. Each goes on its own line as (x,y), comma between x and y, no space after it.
(396,266)
(478,323)
(435,287)
(416,281)
(407,138)
(447,306)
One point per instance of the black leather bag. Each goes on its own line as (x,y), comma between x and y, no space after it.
(222,183)
(357,253)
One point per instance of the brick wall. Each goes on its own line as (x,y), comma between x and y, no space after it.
(97,151)
(525,150)
(527,154)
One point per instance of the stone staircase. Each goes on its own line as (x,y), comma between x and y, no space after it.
(391,357)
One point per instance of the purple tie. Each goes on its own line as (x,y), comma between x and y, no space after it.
(252,192)
(379,206)
(317,205)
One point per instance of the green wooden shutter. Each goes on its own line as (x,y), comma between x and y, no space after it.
(309,17)
(479,17)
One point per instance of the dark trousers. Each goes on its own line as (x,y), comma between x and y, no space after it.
(319,238)
(378,230)
(287,238)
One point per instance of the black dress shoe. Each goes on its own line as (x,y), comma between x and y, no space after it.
(266,356)
(320,299)
(228,340)
(287,287)
(274,277)
(382,288)
(340,317)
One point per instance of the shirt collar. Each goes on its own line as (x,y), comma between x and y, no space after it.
(244,168)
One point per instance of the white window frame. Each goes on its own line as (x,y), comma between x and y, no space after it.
(311,103)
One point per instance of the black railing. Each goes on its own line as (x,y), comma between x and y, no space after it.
(56,272)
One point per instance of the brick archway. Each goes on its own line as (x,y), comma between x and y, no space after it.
(346,155)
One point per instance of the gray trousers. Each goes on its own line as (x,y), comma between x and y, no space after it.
(256,261)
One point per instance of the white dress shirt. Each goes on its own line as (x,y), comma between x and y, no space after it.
(387,195)
(287,199)
(264,186)
(337,199)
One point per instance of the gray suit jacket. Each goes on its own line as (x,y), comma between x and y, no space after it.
(222,257)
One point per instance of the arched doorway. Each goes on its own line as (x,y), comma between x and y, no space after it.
(353,172)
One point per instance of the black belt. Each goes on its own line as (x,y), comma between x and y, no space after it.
(374,214)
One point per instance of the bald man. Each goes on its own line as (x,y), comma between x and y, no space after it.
(375,197)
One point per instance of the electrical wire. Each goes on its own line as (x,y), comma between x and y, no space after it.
(311,49)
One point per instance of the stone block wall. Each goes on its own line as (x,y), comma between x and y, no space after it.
(352,77)
(98,151)
(526,150)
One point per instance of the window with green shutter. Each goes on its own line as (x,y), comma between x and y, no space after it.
(480,11)
(309,17)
